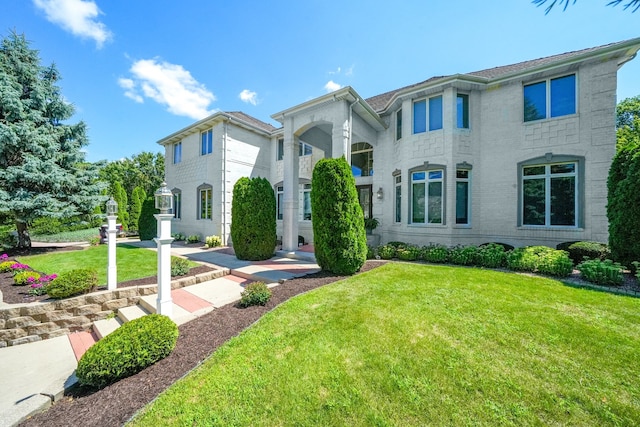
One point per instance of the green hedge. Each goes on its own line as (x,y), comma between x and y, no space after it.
(128,350)
(253,219)
(72,283)
(147,224)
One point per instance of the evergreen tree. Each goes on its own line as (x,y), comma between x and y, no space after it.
(339,236)
(43,172)
(120,197)
(138,197)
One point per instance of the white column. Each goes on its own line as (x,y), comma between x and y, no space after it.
(290,190)
(112,271)
(164,303)
(340,138)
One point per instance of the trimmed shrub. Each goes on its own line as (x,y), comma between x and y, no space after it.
(147,224)
(541,259)
(579,251)
(120,196)
(73,282)
(371,252)
(253,219)
(194,238)
(607,272)
(178,236)
(213,241)
(5,267)
(138,197)
(338,222)
(387,251)
(128,350)
(491,255)
(435,253)
(179,266)
(256,293)
(397,244)
(22,278)
(463,255)
(408,253)
(555,263)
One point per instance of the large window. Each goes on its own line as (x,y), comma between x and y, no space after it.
(398,198)
(305,149)
(462,111)
(204,202)
(427,206)
(304,202)
(399,124)
(550,98)
(362,159)
(177,203)
(177,152)
(434,114)
(550,194)
(463,202)
(206,142)
(280,149)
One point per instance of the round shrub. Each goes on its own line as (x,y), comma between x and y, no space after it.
(463,255)
(541,259)
(491,255)
(22,278)
(179,266)
(408,253)
(256,293)
(387,251)
(213,241)
(578,251)
(339,236)
(128,350)
(435,253)
(607,272)
(5,267)
(253,219)
(73,282)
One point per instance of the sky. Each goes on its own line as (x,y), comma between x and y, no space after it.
(137,71)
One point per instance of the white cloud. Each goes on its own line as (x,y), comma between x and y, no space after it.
(349,71)
(249,97)
(169,85)
(337,71)
(77,16)
(332,86)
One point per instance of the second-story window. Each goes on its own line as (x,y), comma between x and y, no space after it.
(424,119)
(462,109)
(206,142)
(550,98)
(177,152)
(280,149)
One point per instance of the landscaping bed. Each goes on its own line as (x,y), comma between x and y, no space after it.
(115,404)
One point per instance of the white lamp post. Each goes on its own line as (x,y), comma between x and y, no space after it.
(112,271)
(164,202)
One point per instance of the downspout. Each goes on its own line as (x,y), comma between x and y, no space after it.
(224,183)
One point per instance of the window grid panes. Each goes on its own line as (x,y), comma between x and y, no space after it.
(305,149)
(280,149)
(398,199)
(550,98)
(426,197)
(399,124)
(177,205)
(279,202)
(306,202)
(362,159)
(549,195)
(462,197)
(205,203)
(435,113)
(206,142)
(462,109)
(420,116)
(177,152)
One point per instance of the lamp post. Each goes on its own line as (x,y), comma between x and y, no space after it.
(164,202)
(112,271)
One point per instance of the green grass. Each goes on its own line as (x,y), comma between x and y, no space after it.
(408,345)
(67,236)
(132,262)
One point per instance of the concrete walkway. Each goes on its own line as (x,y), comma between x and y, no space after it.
(35,374)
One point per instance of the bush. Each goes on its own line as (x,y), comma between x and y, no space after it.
(253,219)
(147,224)
(178,236)
(256,293)
(194,238)
(5,267)
(213,241)
(179,266)
(607,272)
(94,241)
(541,259)
(397,244)
(371,252)
(338,222)
(579,251)
(25,278)
(387,251)
(128,350)
(408,253)
(435,253)
(73,282)
(491,255)
(463,255)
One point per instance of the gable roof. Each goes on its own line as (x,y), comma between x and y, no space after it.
(239,115)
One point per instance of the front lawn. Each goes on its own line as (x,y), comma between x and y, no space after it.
(423,345)
(132,262)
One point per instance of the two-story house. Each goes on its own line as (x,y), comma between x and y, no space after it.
(517,154)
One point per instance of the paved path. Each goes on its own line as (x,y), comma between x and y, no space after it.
(35,374)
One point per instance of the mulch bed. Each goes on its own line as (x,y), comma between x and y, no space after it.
(199,338)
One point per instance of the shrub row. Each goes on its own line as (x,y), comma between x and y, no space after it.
(539,259)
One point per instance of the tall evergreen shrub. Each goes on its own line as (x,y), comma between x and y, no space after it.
(253,219)
(147,224)
(135,207)
(120,197)
(339,236)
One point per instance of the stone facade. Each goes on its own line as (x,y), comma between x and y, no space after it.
(487,155)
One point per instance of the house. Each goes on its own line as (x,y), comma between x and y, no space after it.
(516,154)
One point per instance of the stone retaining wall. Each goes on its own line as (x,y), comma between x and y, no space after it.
(24,323)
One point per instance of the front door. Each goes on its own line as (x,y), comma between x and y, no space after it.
(365,193)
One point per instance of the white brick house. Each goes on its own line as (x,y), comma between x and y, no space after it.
(517,154)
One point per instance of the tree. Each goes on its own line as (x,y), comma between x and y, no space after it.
(338,222)
(135,207)
(631,4)
(144,170)
(253,219)
(147,224)
(120,197)
(623,207)
(43,172)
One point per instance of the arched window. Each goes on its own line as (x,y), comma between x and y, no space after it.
(362,159)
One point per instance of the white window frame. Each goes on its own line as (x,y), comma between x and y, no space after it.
(468,181)
(427,168)
(177,203)
(208,208)
(208,149)
(547,82)
(397,198)
(177,152)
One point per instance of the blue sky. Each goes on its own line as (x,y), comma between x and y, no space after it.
(137,71)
